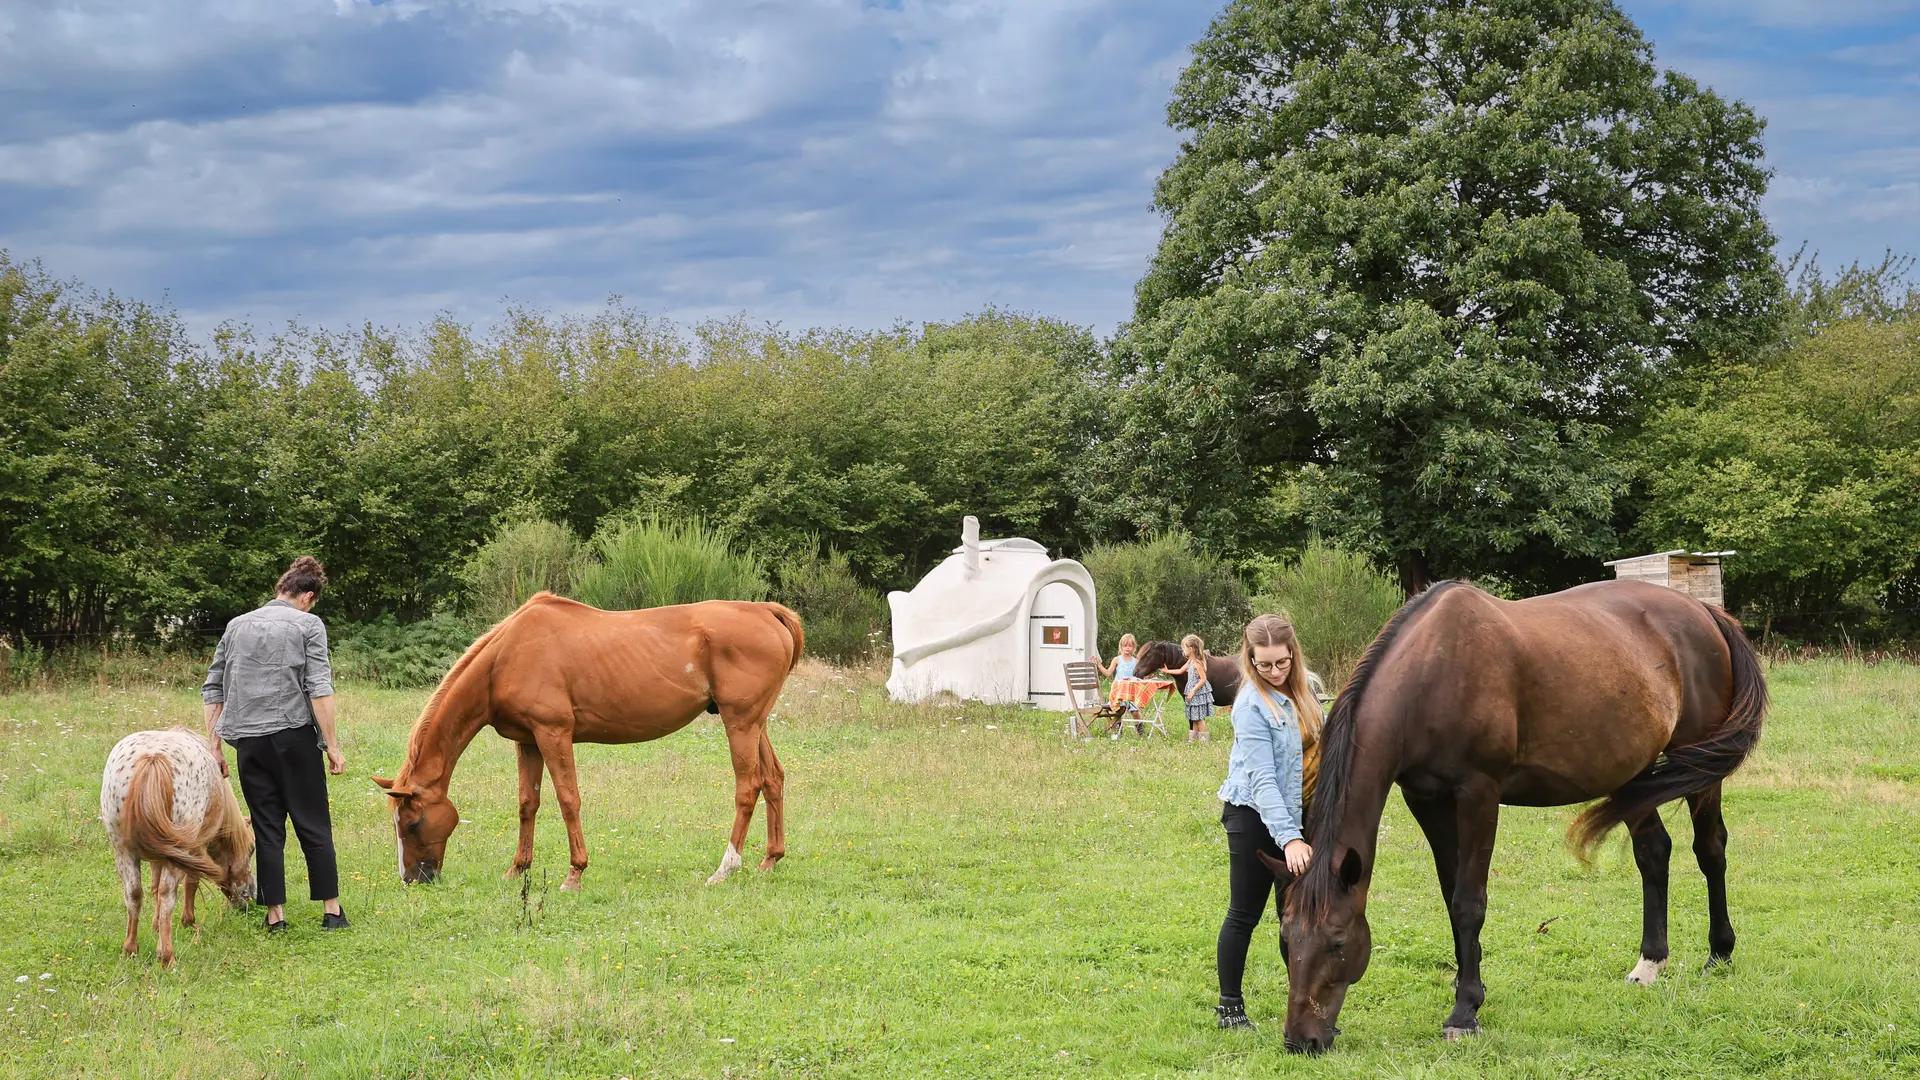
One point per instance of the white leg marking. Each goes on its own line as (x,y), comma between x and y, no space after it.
(1646,971)
(728,864)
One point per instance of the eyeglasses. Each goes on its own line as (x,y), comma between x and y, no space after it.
(1273,665)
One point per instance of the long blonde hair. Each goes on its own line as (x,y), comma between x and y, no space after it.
(1278,630)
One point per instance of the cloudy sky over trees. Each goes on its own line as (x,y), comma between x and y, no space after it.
(846,162)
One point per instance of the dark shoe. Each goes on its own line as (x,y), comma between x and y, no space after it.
(277,927)
(331,921)
(1233,1016)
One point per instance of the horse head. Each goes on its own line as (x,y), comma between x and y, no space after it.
(236,867)
(1328,944)
(422,822)
(1155,657)
(231,849)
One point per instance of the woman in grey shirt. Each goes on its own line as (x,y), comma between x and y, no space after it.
(269,689)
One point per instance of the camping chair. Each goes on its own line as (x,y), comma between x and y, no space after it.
(1084,705)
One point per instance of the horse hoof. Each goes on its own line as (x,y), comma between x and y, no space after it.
(572,884)
(1646,972)
(513,872)
(1455,1034)
(767,863)
(1717,964)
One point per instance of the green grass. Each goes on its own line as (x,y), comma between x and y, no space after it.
(960,899)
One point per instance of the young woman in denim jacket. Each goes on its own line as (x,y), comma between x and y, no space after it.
(1276,733)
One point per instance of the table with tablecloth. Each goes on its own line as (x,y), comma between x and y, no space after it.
(1137,691)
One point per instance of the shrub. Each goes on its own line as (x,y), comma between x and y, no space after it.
(21,666)
(846,622)
(1338,601)
(398,654)
(523,558)
(650,561)
(1164,588)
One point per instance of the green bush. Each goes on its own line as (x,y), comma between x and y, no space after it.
(523,558)
(1165,587)
(846,622)
(396,654)
(650,562)
(1338,601)
(1807,465)
(21,665)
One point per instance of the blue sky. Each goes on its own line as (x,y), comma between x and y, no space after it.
(848,163)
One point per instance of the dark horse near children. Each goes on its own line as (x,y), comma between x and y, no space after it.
(1222,671)
(1622,691)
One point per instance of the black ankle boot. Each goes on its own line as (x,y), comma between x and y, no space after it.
(1233,1015)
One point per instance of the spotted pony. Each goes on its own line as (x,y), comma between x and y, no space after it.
(163,801)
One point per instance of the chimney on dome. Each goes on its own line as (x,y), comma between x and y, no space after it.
(970,545)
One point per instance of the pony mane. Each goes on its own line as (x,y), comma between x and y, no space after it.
(234,835)
(1315,890)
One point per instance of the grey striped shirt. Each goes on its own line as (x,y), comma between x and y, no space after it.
(270,662)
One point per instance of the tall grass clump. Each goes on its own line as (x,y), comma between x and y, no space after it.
(651,561)
(1164,588)
(523,558)
(1338,601)
(395,654)
(846,621)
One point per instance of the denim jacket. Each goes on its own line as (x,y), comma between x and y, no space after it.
(1264,769)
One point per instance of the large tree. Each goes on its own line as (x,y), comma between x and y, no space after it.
(1422,262)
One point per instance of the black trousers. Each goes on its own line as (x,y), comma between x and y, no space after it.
(284,775)
(1249,883)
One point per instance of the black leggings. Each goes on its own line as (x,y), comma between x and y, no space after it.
(283,775)
(1249,883)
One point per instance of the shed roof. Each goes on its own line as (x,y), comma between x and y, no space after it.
(1664,554)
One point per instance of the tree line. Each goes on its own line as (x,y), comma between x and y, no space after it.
(1470,290)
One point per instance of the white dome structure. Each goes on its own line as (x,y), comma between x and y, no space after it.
(994,622)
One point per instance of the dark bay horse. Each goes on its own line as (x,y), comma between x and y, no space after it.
(1222,671)
(1622,691)
(557,672)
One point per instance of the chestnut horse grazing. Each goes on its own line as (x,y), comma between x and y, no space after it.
(1623,691)
(557,672)
(163,801)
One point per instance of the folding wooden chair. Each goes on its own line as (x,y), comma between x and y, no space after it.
(1084,704)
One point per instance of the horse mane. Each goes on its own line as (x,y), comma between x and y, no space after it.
(1155,646)
(417,736)
(232,836)
(1338,746)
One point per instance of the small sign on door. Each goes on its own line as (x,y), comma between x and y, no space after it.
(1053,635)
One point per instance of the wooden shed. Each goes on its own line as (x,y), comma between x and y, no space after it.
(1696,573)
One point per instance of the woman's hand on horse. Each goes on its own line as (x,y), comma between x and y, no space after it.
(1298,856)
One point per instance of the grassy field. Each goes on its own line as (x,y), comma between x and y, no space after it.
(964,896)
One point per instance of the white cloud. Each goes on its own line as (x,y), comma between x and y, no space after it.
(820,162)
(1800,14)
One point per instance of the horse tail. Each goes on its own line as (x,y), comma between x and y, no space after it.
(791,620)
(1683,770)
(146,820)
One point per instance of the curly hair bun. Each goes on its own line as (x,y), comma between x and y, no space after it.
(306,575)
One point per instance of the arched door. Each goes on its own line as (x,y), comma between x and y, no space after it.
(1056,634)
